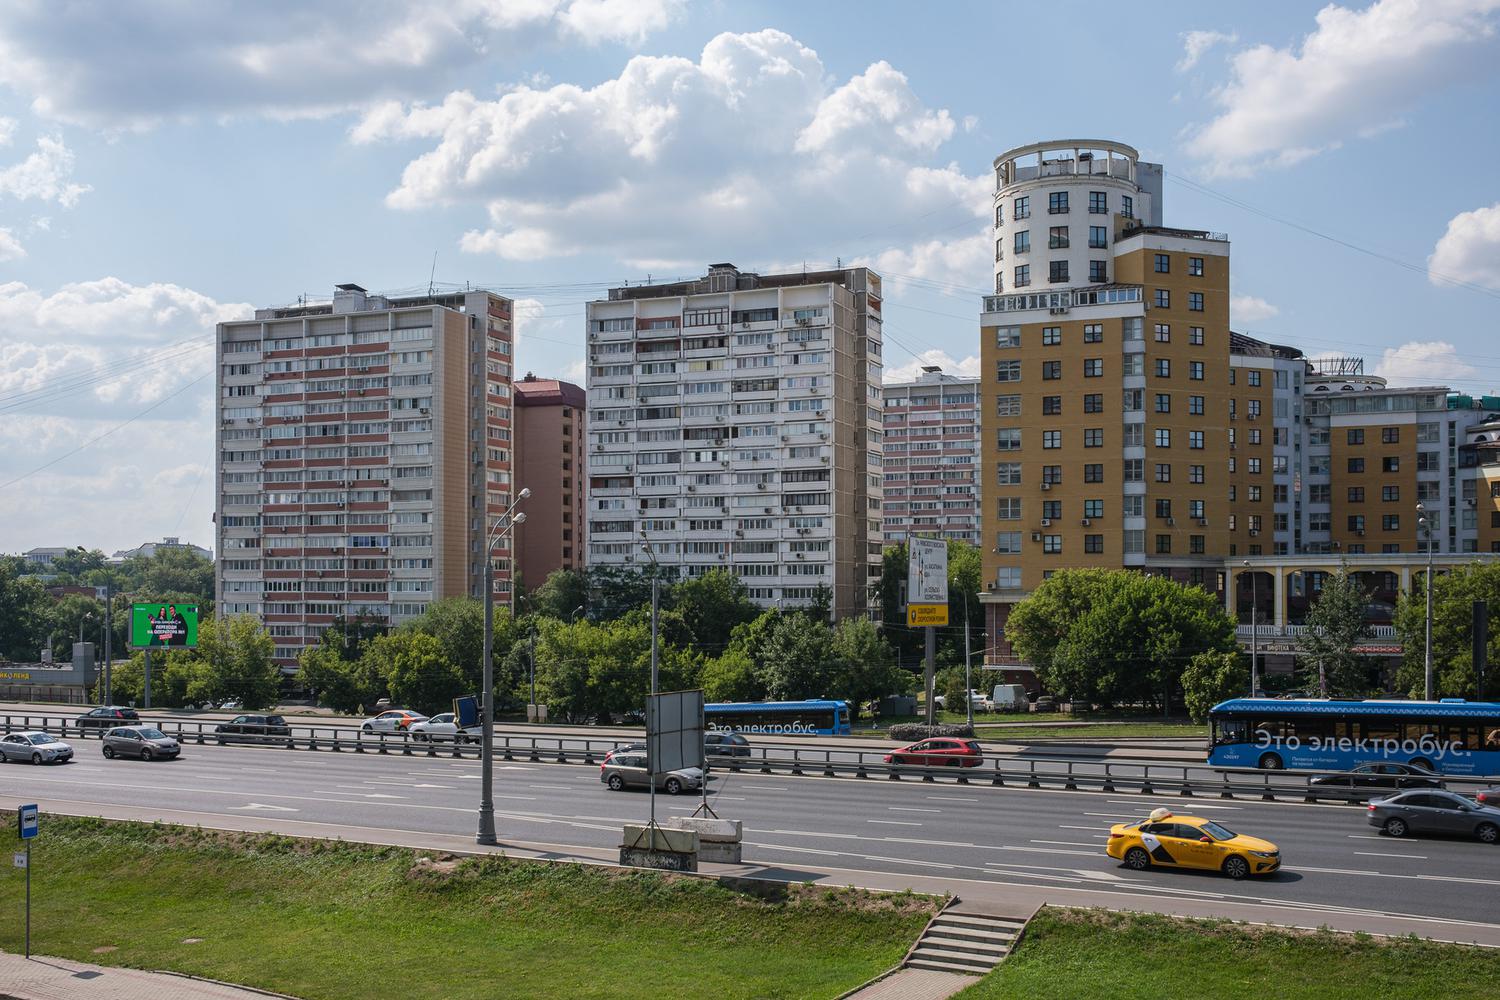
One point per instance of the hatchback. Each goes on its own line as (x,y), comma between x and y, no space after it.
(36,747)
(1435,812)
(145,742)
(939,752)
(628,770)
(725,745)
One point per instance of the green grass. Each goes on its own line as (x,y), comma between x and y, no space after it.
(1023,726)
(1083,954)
(1103,731)
(321,919)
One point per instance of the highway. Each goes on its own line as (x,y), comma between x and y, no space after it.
(1045,844)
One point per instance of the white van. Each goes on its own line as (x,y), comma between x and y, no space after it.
(1009,698)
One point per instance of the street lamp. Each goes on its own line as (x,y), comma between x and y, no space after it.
(503,524)
(1254,634)
(655,579)
(1424,521)
(576,612)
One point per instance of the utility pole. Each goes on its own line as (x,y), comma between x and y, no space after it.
(655,606)
(507,521)
(1254,633)
(1424,521)
(968,684)
(109,638)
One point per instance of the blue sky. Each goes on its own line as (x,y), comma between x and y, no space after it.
(167,164)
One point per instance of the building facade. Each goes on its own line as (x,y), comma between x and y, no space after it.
(735,422)
(931,457)
(550,453)
(149,549)
(364,444)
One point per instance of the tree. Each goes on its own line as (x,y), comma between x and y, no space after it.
(1212,677)
(346,637)
(1453,595)
(69,615)
(731,676)
(24,608)
(340,684)
(949,682)
(173,574)
(794,657)
(864,666)
(562,594)
(77,561)
(236,654)
(457,623)
(1337,622)
(712,606)
(421,675)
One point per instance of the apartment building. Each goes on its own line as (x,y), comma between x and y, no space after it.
(550,450)
(735,421)
(363,444)
(931,457)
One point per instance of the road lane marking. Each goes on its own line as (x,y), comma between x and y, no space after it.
(912,809)
(892,822)
(1064,843)
(1092,829)
(263,806)
(558,788)
(926,843)
(1195,806)
(951,798)
(765,788)
(1114,816)
(1045,850)
(1376,854)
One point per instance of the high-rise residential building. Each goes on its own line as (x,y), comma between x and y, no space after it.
(550,460)
(931,457)
(735,420)
(364,444)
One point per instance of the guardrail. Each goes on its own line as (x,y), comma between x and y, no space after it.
(1146,777)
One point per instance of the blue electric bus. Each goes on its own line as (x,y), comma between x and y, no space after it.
(1452,736)
(784,718)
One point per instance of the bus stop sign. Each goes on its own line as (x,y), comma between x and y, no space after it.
(28,822)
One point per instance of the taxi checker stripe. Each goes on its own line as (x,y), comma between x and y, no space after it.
(1157,848)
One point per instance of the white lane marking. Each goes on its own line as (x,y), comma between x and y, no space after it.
(765,788)
(1113,816)
(809,833)
(1367,836)
(1045,850)
(557,788)
(927,843)
(1377,854)
(263,806)
(892,822)
(1422,878)
(1064,843)
(729,798)
(912,809)
(1195,805)
(1092,829)
(951,798)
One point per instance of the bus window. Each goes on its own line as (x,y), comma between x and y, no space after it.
(1306,729)
(1380,729)
(1460,736)
(1421,729)
(1343,729)
(1228,731)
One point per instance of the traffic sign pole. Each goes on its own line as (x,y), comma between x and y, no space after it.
(28,899)
(28,827)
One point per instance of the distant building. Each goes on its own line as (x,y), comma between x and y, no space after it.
(549,445)
(149,549)
(930,444)
(41,558)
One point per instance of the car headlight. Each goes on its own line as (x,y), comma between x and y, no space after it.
(1265,854)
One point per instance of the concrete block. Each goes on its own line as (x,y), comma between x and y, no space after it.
(709,830)
(660,839)
(721,852)
(672,861)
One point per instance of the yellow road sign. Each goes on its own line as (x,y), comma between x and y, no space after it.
(927,614)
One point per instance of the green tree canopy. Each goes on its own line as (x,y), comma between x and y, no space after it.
(1212,677)
(236,656)
(420,675)
(25,611)
(1337,622)
(1453,595)
(864,664)
(712,606)
(562,594)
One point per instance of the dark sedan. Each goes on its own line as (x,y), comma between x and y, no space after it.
(107,717)
(1379,778)
(717,744)
(1435,812)
(252,728)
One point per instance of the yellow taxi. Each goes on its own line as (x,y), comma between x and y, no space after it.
(1190,842)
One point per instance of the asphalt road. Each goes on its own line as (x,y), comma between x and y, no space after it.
(1334,862)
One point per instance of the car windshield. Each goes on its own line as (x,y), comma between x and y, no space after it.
(1217,832)
(153,734)
(40,738)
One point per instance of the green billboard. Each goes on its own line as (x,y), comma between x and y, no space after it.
(164,624)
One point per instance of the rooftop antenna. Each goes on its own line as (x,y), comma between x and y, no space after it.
(432,278)
(838,263)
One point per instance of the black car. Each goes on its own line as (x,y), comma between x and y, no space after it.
(1380,777)
(251,727)
(107,717)
(725,745)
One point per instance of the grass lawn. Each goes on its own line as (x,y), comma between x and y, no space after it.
(1020,726)
(320,919)
(1079,954)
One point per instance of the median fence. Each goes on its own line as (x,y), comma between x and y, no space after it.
(1117,775)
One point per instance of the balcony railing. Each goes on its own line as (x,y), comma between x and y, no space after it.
(1265,631)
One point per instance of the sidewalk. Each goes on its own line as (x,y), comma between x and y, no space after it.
(42,978)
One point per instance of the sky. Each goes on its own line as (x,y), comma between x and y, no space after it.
(169,164)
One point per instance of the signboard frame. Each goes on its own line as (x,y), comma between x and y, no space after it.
(926,582)
(674,731)
(143,616)
(28,822)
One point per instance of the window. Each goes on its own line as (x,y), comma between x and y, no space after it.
(1355,435)
(1052,474)
(1195,302)
(1356,494)
(1023,276)
(1098,272)
(1127,206)
(1052,544)
(1163,402)
(1252,409)
(1008,406)
(1195,405)
(1007,337)
(1195,267)
(1098,237)
(1163,368)
(1163,545)
(1051,406)
(1057,203)
(1163,299)
(1057,271)
(1023,208)
(999,249)
(1051,370)
(1252,379)
(1195,371)
(1093,333)
(1093,437)
(1195,335)
(1093,473)
(1023,242)
(1390,463)
(1057,238)
(1163,333)
(1099,203)
(1093,367)
(1008,371)
(1252,465)
(1163,263)
(1093,508)
(1134,400)
(1008,473)
(1427,461)
(1163,437)
(1134,471)
(1390,435)
(1006,439)
(1093,402)
(1051,336)
(1356,522)
(1052,510)
(1163,472)
(1195,474)
(1093,544)
(1008,508)
(1008,542)
(999,216)
(1196,545)
(1390,494)
(1195,440)
(1390,522)
(1051,439)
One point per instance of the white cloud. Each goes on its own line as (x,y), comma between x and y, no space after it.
(1196,43)
(10,247)
(1432,362)
(1355,72)
(1470,249)
(1250,309)
(934,356)
(7,130)
(44,175)
(82,62)
(749,153)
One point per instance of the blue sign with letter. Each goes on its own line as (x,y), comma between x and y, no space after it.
(28,819)
(466,712)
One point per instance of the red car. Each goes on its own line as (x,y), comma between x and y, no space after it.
(939,752)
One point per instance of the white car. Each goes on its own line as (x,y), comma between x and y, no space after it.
(397,720)
(443,726)
(36,747)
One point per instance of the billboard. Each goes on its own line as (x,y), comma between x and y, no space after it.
(927,582)
(674,731)
(163,625)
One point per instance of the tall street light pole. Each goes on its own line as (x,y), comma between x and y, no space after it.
(1424,521)
(655,602)
(505,523)
(968,683)
(1254,634)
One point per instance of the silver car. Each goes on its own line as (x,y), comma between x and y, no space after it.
(37,747)
(144,742)
(1434,811)
(628,770)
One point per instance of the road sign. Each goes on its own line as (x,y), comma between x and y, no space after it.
(674,731)
(926,614)
(19,859)
(927,571)
(27,816)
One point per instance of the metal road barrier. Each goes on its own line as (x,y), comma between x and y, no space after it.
(1110,775)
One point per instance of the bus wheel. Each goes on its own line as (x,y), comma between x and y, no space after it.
(1423,762)
(1270,762)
